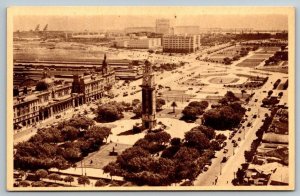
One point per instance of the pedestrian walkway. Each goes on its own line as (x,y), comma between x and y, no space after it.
(89,172)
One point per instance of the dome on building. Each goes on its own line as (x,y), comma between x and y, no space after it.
(48,81)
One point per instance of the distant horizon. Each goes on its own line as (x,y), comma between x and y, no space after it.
(120,22)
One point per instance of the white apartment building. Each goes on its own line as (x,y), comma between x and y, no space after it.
(181,43)
(141,43)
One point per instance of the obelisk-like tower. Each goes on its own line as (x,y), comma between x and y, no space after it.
(148,97)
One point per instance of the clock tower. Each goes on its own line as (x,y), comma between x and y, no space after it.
(148,98)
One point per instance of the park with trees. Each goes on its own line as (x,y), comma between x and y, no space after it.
(159,160)
(60,146)
(226,115)
(193,110)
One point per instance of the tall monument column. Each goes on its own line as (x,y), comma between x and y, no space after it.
(148,98)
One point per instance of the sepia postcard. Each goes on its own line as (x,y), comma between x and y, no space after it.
(150,98)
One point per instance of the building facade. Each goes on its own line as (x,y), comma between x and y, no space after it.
(145,43)
(32,107)
(181,43)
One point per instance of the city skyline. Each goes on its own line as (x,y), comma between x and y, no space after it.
(120,22)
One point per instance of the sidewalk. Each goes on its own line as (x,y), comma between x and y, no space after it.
(89,172)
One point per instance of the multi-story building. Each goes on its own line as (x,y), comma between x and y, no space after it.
(139,43)
(144,43)
(61,95)
(162,26)
(181,43)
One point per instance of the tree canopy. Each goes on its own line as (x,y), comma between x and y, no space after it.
(110,112)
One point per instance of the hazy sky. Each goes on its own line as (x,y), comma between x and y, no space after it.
(119,22)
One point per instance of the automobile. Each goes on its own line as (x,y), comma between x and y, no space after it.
(239,139)
(224,159)
(208,162)
(190,88)
(205,169)
(224,144)
(225,151)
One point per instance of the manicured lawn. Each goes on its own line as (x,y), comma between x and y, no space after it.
(101,158)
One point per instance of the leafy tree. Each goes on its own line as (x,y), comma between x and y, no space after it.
(159,137)
(38,184)
(83,180)
(49,135)
(196,139)
(201,105)
(150,146)
(189,113)
(54,177)
(110,112)
(70,133)
(41,86)
(78,122)
(24,183)
(137,110)
(131,153)
(215,145)
(97,133)
(170,152)
(227,61)
(248,155)
(69,178)
(184,159)
(208,132)
(240,175)
(231,97)
(175,141)
(113,168)
(224,116)
(221,137)
(159,103)
(100,182)
(135,102)
(72,154)
(41,173)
